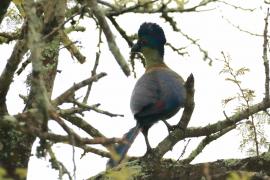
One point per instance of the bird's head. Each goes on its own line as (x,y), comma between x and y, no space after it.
(150,36)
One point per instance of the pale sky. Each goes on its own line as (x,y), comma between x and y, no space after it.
(114,90)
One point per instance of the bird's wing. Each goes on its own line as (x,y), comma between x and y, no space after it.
(146,94)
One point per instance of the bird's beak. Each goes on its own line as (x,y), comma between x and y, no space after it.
(136,48)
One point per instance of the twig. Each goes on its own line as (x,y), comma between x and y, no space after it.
(173,24)
(78,110)
(58,165)
(184,150)
(70,92)
(177,50)
(94,70)
(85,106)
(99,14)
(241,29)
(236,7)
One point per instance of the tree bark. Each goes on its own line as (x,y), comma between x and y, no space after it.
(143,168)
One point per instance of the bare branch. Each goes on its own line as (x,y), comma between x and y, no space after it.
(173,24)
(94,108)
(236,7)
(109,36)
(205,142)
(70,92)
(241,29)
(179,134)
(177,50)
(94,70)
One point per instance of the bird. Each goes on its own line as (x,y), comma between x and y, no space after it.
(158,94)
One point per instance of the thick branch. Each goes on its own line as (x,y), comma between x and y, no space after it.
(232,120)
(249,168)
(179,134)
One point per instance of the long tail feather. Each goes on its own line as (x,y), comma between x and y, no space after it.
(122,149)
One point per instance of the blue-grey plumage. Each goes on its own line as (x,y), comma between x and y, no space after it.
(157,95)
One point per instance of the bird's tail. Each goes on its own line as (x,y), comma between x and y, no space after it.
(122,149)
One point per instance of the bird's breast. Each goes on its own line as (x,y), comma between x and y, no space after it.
(158,94)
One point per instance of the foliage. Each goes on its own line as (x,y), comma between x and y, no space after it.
(252,130)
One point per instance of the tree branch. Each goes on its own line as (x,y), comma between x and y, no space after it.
(109,36)
(265,58)
(7,75)
(205,142)
(69,45)
(70,92)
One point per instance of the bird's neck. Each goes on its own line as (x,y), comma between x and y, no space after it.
(152,58)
